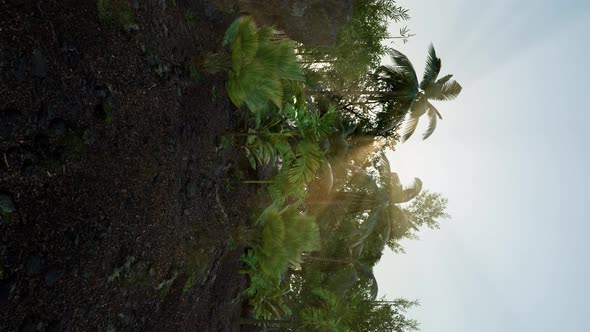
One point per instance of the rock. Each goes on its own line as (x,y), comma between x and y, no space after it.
(191,188)
(43,148)
(104,111)
(5,286)
(10,120)
(101,91)
(31,325)
(89,136)
(53,276)
(27,169)
(33,265)
(44,114)
(311,22)
(20,69)
(6,204)
(39,69)
(57,126)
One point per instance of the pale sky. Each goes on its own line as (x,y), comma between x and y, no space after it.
(511,155)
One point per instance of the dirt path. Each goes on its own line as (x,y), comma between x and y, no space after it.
(116,210)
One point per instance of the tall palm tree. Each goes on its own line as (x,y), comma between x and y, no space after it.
(386,218)
(400,86)
(379,197)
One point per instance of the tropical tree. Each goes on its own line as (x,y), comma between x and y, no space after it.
(399,84)
(357,221)
(258,64)
(359,46)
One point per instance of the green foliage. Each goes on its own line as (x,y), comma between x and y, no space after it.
(359,46)
(307,162)
(291,136)
(212,63)
(286,235)
(427,208)
(319,276)
(115,12)
(266,294)
(259,63)
(331,314)
(401,77)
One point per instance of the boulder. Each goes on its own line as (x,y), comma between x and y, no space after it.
(311,22)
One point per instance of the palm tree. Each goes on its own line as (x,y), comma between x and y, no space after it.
(379,197)
(399,84)
(386,218)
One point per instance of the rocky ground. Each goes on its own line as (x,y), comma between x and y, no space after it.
(117,198)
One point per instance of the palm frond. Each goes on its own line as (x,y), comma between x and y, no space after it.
(409,126)
(411,191)
(230,33)
(410,122)
(272,253)
(433,65)
(259,63)
(328,176)
(383,166)
(366,271)
(244,43)
(304,235)
(449,91)
(432,114)
(307,162)
(327,122)
(398,81)
(367,227)
(266,33)
(444,79)
(235,89)
(404,66)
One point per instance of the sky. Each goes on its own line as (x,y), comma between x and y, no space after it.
(511,156)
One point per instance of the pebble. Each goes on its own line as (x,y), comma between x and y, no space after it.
(6,204)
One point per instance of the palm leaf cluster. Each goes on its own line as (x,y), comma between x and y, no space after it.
(329,314)
(266,294)
(287,234)
(259,62)
(292,138)
(307,271)
(401,79)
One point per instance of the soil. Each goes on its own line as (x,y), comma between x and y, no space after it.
(117,197)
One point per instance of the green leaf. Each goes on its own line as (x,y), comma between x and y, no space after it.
(432,114)
(307,162)
(449,91)
(245,42)
(433,65)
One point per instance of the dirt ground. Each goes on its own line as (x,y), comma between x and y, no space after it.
(117,200)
